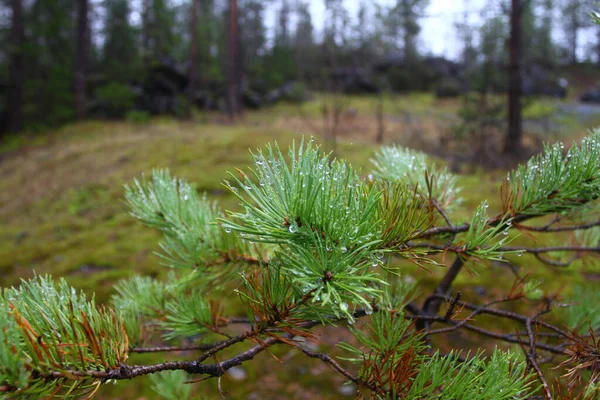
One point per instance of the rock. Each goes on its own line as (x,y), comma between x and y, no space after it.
(237,373)
(347,390)
(591,95)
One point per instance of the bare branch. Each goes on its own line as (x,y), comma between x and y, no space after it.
(333,364)
(548,228)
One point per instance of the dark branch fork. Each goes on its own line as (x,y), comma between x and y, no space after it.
(531,354)
(428,313)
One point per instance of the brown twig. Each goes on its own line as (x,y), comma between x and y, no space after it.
(532,355)
(506,314)
(333,364)
(556,263)
(165,349)
(475,312)
(531,250)
(432,305)
(548,228)
(441,211)
(538,250)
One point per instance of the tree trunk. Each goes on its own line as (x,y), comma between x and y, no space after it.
(193,72)
(15,88)
(146,8)
(513,137)
(574,39)
(598,45)
(233,89)
(380,121)
(81,57)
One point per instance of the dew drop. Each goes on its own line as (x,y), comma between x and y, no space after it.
(293,228)
(343,249)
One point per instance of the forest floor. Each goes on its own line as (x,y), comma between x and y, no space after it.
(62,209)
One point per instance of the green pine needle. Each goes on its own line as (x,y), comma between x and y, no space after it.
(49,328)
(395,163)
(552,183)
(191,238)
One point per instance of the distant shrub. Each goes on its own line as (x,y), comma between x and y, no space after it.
(411,78)
(115,99)
(297,92)
(137,116)
(447,88)
(536,109)
(182,107)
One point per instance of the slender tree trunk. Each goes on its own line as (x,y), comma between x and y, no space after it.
(81,57)
(146,32)
(380,121)
(574,41)
(193,72)
(233,89)
(15,94)
(598,45)
(513,137)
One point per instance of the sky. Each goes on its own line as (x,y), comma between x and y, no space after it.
(438,35)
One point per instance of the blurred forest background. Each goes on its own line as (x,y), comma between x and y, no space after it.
(63,60)
(96,92)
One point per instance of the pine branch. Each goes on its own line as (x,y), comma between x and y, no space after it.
(323,233)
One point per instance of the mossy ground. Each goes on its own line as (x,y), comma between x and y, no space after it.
(62,213)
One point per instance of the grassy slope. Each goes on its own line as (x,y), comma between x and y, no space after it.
(61,212)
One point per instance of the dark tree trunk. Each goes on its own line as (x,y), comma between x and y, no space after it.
(81,57)
(598,45)
(513,137)
(233,89)
(146,32)
(15,89)
(380,121)
(193,72)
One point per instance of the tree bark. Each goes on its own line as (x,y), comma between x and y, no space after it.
(513,137)
(193,72)
(81,57)
(15,89)
(233,89)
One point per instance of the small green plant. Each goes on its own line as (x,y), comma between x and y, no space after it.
(314,244)
(137,117)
